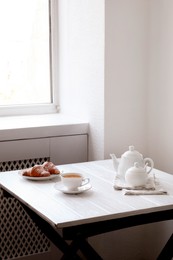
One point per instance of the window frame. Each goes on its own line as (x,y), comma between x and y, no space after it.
(53,107)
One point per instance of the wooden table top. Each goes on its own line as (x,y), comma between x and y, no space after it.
(101,202)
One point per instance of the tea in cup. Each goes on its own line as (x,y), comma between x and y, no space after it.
(73,180)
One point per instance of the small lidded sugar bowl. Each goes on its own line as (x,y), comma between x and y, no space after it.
(136,175)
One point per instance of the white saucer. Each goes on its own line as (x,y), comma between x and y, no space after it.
(76,191)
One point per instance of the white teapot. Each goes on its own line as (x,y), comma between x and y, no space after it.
(136,175)
(128,159)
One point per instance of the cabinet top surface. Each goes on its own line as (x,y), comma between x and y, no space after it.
(37,126)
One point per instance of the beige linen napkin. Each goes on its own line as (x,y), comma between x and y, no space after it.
(152,187)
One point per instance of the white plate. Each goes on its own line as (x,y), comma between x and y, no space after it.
(52,176)
(80,189)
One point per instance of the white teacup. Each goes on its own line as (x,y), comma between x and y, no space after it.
(73,180)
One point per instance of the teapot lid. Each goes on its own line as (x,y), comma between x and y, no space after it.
(132,152)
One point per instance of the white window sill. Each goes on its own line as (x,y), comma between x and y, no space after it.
(39,126)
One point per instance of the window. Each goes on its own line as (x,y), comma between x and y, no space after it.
(28,56)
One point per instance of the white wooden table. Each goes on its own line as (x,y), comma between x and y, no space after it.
(98,210)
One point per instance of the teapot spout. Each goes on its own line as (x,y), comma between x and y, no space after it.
(115,161)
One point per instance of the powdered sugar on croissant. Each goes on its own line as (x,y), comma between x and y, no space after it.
(49,166)
(39,171)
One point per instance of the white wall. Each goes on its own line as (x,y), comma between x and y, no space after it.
(130,102)
(138,79)
(81,52)
(126,57)
(135,104)
(160,103)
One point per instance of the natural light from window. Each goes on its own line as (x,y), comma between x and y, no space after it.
(25,70)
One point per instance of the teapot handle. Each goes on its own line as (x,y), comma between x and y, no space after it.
(150,162)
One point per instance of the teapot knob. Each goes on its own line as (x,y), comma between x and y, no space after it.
(131,148)
(136,164)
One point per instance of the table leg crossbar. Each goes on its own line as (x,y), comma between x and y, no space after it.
(87,250)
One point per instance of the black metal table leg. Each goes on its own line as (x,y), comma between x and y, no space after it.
(52,235)
(88,250)
(79,242)
(167,251)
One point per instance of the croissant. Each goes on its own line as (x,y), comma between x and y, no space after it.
(50,167)
(26,172)
(44,170)
(39,171)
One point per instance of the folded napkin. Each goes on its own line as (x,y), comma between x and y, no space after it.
(152,187)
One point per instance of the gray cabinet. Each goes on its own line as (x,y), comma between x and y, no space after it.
(68,149)
(60,149)
(24,149)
